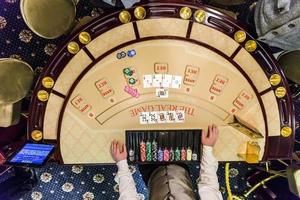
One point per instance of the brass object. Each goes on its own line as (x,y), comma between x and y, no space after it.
(244,128)
(10,114)
(185,13)
(16,79)
(139,12)
(36,135)
(289,62)
(293,176)
(124,17)
(250,46)
(252,189)
(84,37)
(73,47)
(42,95)
(280,92)
(47,82)
(48,19)
(275,79)
(200,16)
(240,36)
(286,131)
(252,152)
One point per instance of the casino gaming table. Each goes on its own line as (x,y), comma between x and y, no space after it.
(162,57)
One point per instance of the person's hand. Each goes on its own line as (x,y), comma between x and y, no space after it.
(118,151)
(209,138)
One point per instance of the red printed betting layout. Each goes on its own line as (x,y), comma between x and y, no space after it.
(217,86)
(104,88)
(191,74)
(81,104)
(242,100)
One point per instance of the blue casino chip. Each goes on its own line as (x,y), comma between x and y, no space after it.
(131,53)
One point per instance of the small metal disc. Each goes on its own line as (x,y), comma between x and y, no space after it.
(286,131)
(124,17)
(185,13)
(240,36)
(73,47)
(280,92)
(47,82)
(139,12)
(275,79)
(250,46)
(36,135)
(84,37)
(200,16)
(43,95)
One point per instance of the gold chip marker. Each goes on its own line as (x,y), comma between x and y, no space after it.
(280,92)
(240,36)
(250,46)
(36,135)
(200,16)
(84,37)
(275,79)
(48,82)
(124,17)
(139,12)
(42,95)
(185,13)
(286,131)
(73,47)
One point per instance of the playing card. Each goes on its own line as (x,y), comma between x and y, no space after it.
(152,117)
(147,81)
(171,116)
(166,80)
(157,80)
(180,116)
(162,117)
(144,118)
(162,93)
(176,82)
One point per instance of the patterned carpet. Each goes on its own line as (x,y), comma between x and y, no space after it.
(79,182)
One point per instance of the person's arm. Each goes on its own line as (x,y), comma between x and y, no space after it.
(124,178)
(208,185)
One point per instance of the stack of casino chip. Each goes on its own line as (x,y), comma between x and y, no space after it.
(160,152)
(143,149)
(183,148)
(166,150)
(148,148)
(154,148)
(163,146)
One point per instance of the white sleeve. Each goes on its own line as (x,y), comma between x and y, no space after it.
(208,185)
(126,183)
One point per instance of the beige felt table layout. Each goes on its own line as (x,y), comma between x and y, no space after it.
(85,136)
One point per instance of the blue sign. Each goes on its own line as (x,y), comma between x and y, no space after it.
(33,154)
